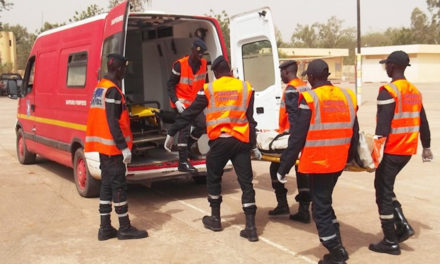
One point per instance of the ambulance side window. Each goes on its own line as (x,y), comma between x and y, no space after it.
(258,64)
(29,74)
(111,44)
(77,70)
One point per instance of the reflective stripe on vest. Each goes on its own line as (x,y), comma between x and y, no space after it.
(327,143)
(98,136)
(226,112)
(405,125)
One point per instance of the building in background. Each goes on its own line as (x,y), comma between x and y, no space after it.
(424,60)
(8,52)
(333,57)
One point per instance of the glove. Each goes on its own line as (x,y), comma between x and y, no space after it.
(427,155)
(126,153)
(256,154)
(180,106)
(281,178)
(378,146)
(169,141)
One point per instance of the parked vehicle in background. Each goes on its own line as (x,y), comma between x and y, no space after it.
(9,83)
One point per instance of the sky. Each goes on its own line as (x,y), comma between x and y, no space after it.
(376,15)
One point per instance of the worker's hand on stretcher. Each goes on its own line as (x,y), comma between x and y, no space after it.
(281,178)
(180,106)
(256,154)
(169,141)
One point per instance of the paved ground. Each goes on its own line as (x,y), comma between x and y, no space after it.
(44,220)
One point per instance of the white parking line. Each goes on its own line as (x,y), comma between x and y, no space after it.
(265,240)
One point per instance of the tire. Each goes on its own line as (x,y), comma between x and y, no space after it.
(86,185)
(24,156)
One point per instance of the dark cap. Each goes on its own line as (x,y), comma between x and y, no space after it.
(199,44)
(116,57)
(287,64)
(317,68)
(217,61)
(398,57)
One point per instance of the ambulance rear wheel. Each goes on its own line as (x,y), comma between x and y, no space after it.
(23,154)
(86,185)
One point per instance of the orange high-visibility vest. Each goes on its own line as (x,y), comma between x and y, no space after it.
(283,120)
(98,136)
(189,83)
(403,137)
(331,129)
(228,101)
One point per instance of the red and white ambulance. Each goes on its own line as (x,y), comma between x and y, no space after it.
(66,63)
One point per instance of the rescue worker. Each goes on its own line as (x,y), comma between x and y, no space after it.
(108,132)
(400,119)
(288,112)
(228,103)
(187,78)
(326,134)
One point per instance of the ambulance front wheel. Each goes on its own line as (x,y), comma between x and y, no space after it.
(23,154)
(86,185)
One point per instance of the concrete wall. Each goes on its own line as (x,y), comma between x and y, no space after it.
(424,60)
(8,50)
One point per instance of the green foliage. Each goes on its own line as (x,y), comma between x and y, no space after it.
(92,10)
(47,26)
(5,5)
(135,5)
(223,20)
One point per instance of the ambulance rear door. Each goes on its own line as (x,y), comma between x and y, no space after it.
(115,32)
(254,58)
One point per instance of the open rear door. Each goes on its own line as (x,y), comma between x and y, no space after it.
(254,58)
(115,32)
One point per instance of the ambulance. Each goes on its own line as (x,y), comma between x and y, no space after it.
(66,63)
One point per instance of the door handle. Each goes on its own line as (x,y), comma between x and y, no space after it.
(33,107)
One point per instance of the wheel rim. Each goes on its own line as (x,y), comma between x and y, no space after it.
(81,173)
(20,147)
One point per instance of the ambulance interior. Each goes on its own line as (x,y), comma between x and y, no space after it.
(153,43)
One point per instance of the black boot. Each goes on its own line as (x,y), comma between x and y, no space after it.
(250,231)
(184,164)
(106,230)
(403,229)
(282,207)
(337,255)
(389,243)
(213,222)
(127,231)
(385,246)
(303,214)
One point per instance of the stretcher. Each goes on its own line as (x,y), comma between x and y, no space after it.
(271,145)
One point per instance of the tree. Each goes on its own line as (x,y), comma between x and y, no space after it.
(305,36)
(47,26)
(4,6)
(375,39)
(223,20)
(24,41)
(92,10)
(135,5)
